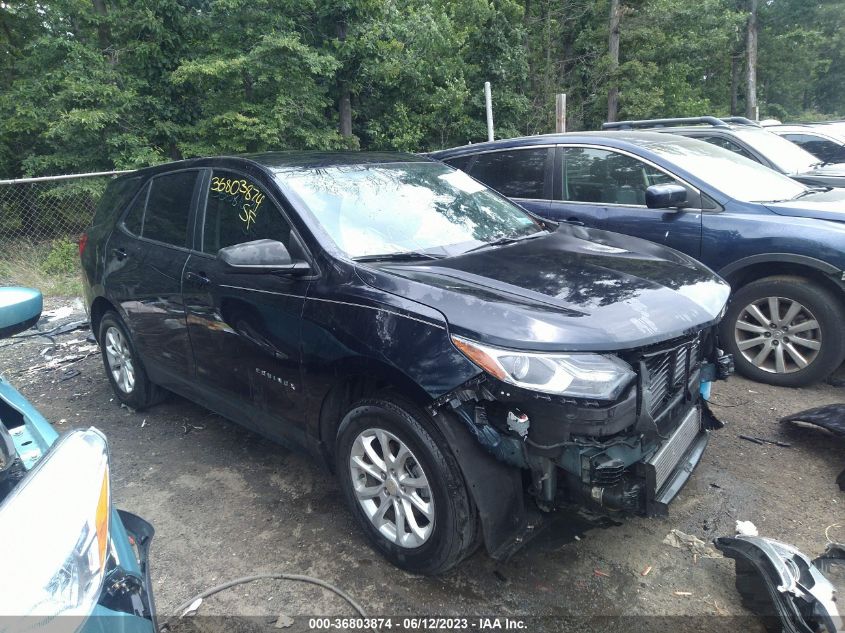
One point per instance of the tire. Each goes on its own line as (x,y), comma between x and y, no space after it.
(452,531)
(746,331)
(133,387)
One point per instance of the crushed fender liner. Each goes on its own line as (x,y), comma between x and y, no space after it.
(506,523)
(778,581)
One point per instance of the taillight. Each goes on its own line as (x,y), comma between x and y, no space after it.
(83,242)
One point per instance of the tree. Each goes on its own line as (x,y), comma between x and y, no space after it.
(97,84)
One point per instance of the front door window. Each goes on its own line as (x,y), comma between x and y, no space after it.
(602,176)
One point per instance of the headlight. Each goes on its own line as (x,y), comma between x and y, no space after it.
(577,375)
(54,530)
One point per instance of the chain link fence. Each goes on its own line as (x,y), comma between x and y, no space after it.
(37,210)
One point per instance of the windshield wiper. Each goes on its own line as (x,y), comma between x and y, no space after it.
(399,256)
(811,190)
(502,241)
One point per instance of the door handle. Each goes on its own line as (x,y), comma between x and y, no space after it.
(575,221)
(197,278)
(119,253)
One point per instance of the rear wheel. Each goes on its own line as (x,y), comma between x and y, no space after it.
(784,331)
(123,366)
(404,487)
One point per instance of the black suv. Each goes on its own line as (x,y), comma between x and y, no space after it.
(439,348)
(749,139)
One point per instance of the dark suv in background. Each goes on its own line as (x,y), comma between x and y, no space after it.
(780,244)
(747,138)
(456,363)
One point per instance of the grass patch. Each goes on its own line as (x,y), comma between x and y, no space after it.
(51,267)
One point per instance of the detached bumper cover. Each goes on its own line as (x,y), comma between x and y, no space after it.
(775,579)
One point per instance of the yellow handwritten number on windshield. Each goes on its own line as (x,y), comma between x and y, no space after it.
(240,192)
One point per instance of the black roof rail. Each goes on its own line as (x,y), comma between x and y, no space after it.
(741,120)
(650,123)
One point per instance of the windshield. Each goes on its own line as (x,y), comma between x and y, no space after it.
(786,155)
(730,173)
(418,207)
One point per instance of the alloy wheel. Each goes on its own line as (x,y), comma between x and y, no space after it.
(778,335)
(119,358)
(392,488)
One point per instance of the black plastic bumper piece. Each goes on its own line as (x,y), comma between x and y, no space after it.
(496,489)
(142,532)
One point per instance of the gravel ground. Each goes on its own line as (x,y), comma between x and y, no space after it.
(227,503)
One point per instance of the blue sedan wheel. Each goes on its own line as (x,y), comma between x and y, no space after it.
(784,331)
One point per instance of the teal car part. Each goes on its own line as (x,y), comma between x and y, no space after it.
(79,563)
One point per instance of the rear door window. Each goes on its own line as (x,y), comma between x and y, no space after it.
(238,210)
(517,173)
(169,208)
(606,177)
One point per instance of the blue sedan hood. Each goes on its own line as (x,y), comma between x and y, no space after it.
(827,205)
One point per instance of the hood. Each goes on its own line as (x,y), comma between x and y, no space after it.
(573,290)
(832,169)
(824,176)
(826,205)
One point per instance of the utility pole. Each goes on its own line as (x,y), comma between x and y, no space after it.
(751,109)
(560,113)
(488,103)
(613,48)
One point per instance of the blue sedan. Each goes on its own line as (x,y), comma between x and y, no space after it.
(780,243)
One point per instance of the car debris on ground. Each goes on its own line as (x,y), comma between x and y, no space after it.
(695,545)
(780,583)
(830,417)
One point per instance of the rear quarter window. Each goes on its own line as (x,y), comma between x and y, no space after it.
(114,199)
(461,162)
(517,173)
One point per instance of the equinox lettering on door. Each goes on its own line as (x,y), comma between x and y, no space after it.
(266,374)
(241,194)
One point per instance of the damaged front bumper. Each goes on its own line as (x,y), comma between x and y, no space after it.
(632,455)
(126,603)
(778,581)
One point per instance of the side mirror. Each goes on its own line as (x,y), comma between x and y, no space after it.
(261,256)
(20,309)
(665,196)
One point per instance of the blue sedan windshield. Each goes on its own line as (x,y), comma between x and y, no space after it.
(730,173)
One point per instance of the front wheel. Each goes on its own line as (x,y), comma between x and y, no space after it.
(784,331)
(404,487)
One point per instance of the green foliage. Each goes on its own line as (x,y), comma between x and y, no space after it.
(62,258)
(26,264)
(137,82)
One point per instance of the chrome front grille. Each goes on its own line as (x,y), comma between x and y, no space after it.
(666,371)
(670,453)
